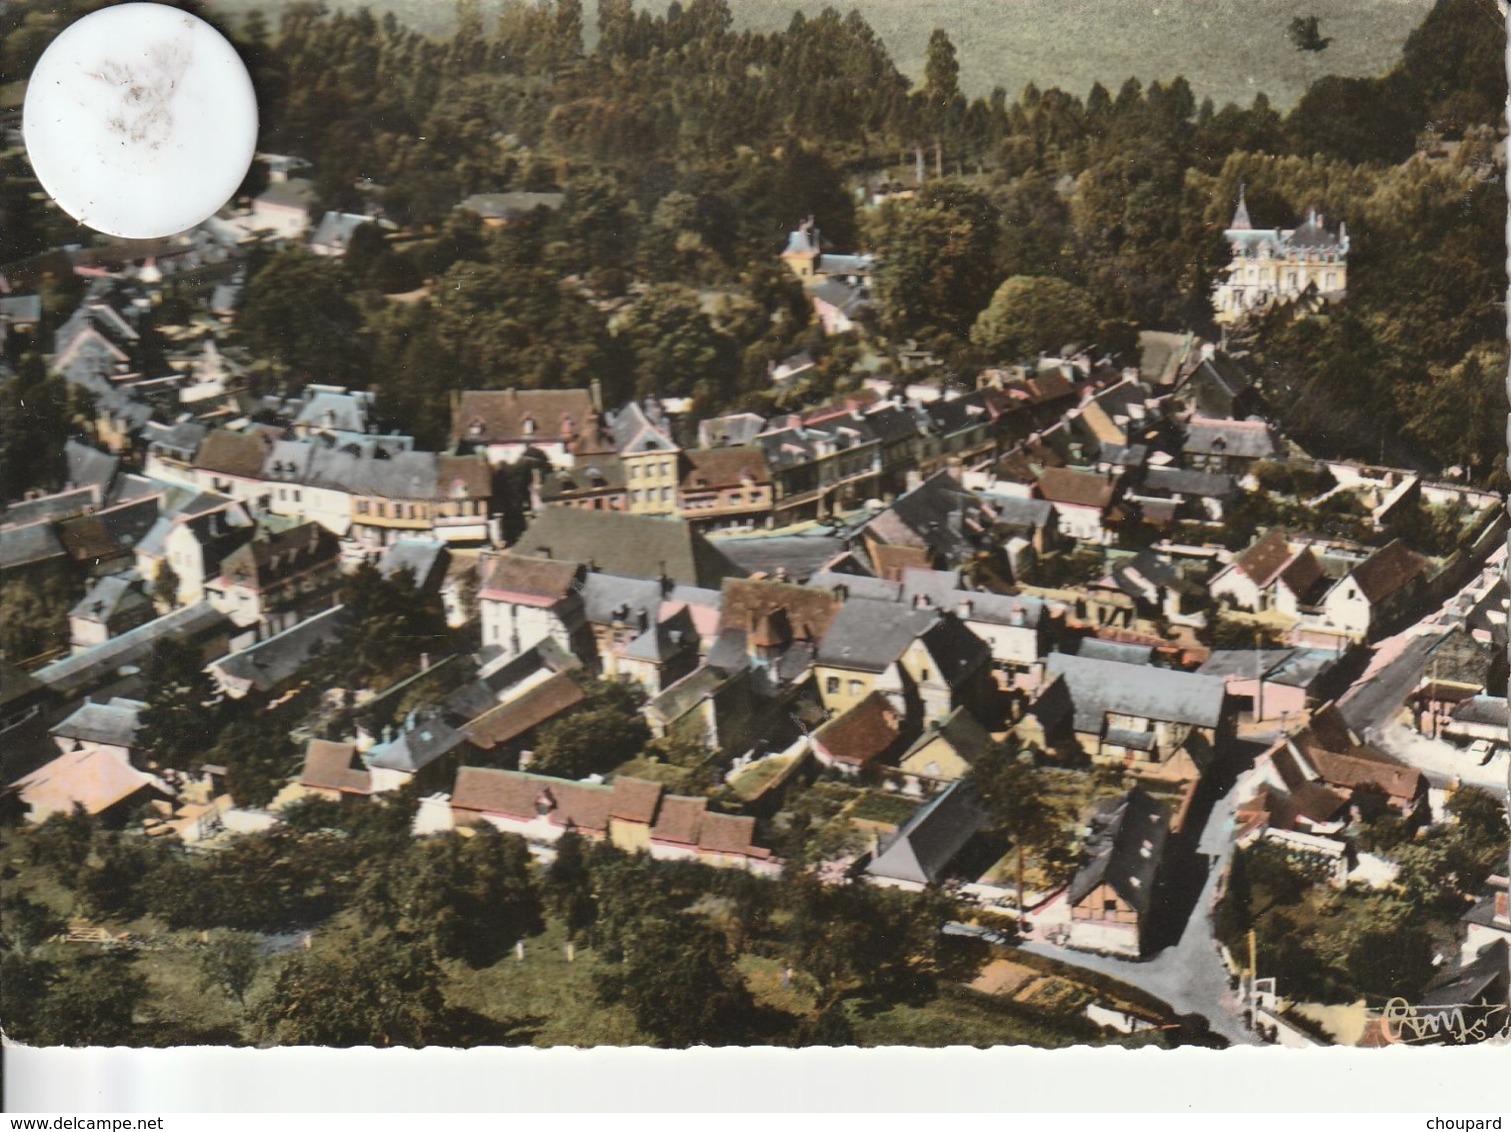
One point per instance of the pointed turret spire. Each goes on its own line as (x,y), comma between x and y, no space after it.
(1241,222)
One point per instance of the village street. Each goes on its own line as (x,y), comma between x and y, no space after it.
(1190,976)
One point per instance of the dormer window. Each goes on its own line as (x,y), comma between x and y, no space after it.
(527,424)
(475,428)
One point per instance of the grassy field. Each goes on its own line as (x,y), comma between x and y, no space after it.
(1227,50)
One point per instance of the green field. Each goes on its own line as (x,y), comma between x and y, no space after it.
(1227,50)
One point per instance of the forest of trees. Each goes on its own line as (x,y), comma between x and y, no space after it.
(687,149)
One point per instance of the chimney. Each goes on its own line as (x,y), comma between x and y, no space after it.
(964,608)
(922,601)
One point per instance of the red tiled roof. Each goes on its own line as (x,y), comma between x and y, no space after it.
(472,472)
(634,799)
(1388,570)
(1265,558)
(863,734)
(808,610)
(716,468)
(1302,573)
(1080,489)
(725,833)
(515,794)
(334,766)
(538,581)
(679,820)
(500,415)
(233,453)
(508,721)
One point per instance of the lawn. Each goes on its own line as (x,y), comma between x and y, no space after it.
(1228,51)
(552,999)
(749,783)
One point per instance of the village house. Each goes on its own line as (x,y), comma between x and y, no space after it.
(946,750)
(1272,574)
(650,457)
(862,648)
(525,600)
(1280,685)
(279,578)
(497,210)
(1376,593)
(506,424)
(282,210)
(634,815)
(919,854)
(114,605)
(1082,503)
(1227,446)
(1141,717)
(94,769)
(630,546)
(193,544)
(936,525)
(819,466)
(1312,784)
(230,463)
(1272,265)
(273,667)
(595,484)
(1489,921)
(861,737)
(334,771)
(1112,897)
(725,488)
(333,235)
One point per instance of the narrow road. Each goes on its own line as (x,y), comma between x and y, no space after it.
(1190,976)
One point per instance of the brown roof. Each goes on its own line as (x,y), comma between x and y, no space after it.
(1388,570)
(808,610)
(634,799)
(1363,767)
(892,561)
(500,415)
(548,580)
(472,472)
(1265,558)
(334,766)
(725,833)
(714,468)
(1082,489)
(863,734)
(507,722)
(233,453)
(1302,573)
(513,793)
(679,820)
(281,554)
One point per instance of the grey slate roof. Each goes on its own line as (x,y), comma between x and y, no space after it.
(77,672)
(634,546)
(115,723)
(1093,649)
(425,558)
(1101,686)
(869,635)
(347,410)
(89,467)
(1127,839)
(1244,439)
(607,598)
(1487,710)
(271,663)
(664,640)
(417,747)
(923,848)
(110,595)
(510,206)
(59,505)
(857,585)
(29,545)
(799,555)
(1187,481)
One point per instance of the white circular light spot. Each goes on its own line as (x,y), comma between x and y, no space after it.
(140,120)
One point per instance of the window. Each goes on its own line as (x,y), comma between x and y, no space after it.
(298,497)
(923,674)
(1109,905)
(831,686)
(632,471)
(666,495)
(666,468)
(856,687)
(635,495)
